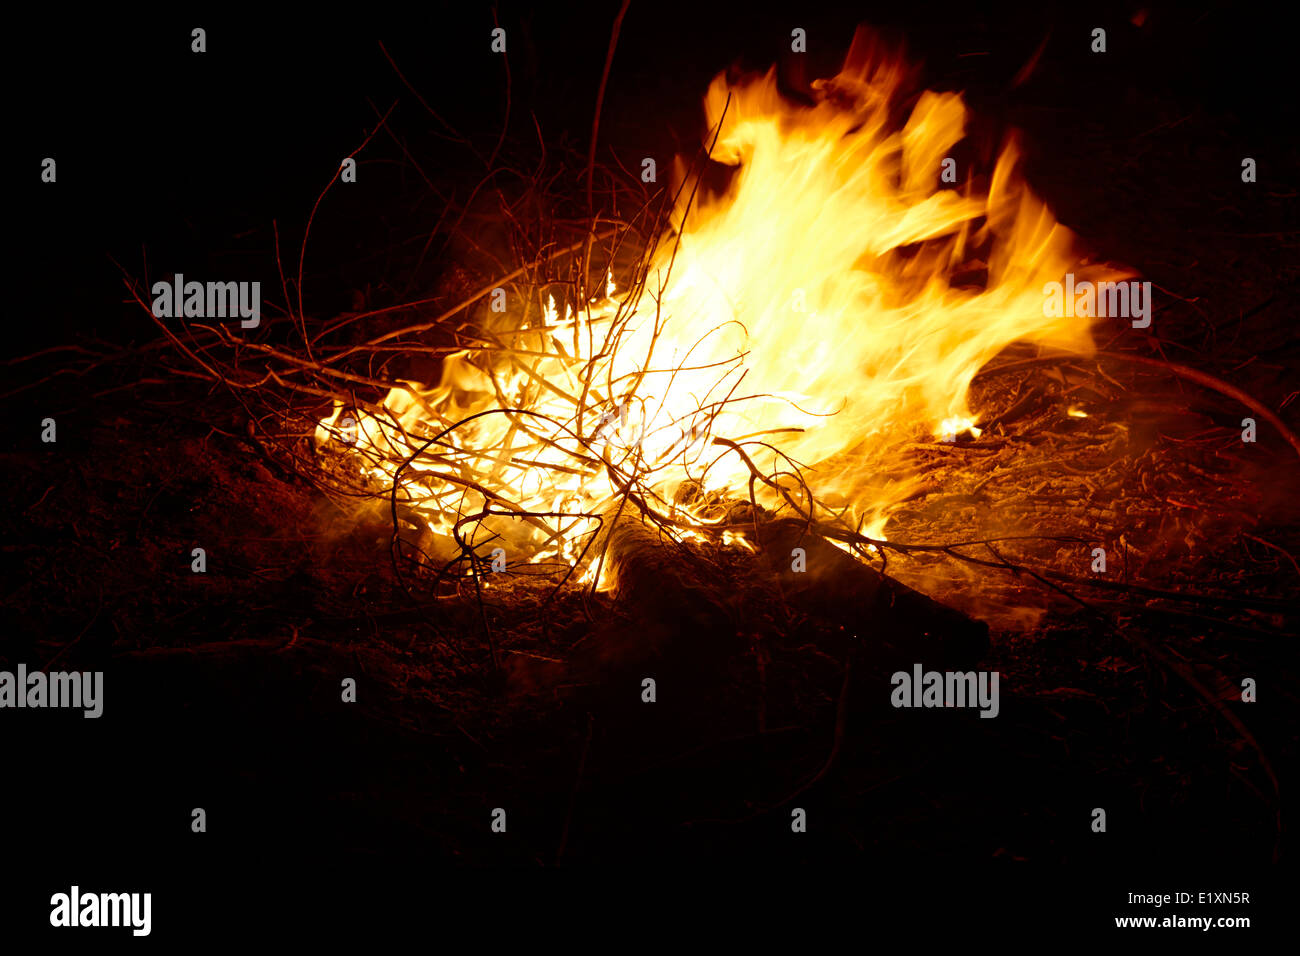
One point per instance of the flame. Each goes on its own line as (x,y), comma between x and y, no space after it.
(809,316)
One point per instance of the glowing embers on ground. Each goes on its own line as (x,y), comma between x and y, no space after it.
(799,330)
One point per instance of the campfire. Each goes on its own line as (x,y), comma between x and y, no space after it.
(780,342)
(839,457)
(773,351)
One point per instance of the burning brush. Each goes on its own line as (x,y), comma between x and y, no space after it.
(751,371)
(775,344)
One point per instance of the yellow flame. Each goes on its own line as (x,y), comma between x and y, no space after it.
(811,308)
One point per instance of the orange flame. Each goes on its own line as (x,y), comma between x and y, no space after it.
(808,315)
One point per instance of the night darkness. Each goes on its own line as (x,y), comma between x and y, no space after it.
(1120,690)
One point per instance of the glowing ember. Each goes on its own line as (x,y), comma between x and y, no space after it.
(808,317)
(950,428)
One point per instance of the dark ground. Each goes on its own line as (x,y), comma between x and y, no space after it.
(222,689)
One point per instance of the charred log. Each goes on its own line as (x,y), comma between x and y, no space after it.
(675,608)
(896,621)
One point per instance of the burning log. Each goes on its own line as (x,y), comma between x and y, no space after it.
(673,613)
(820,579)
(657,579)
(684,619)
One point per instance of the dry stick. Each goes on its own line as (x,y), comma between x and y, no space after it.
(302,253)
(855,538)
(1286,554)
(456,137)
(213,373)
(426,326)
(595,127)
(478,596)
(78,373)
(1247,602)
(397,477)
(415,163)
(672,260)
(222,379)
(309,366)
(582,556)
(50,351)
(168,332)
(491,174)
(1218,384)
